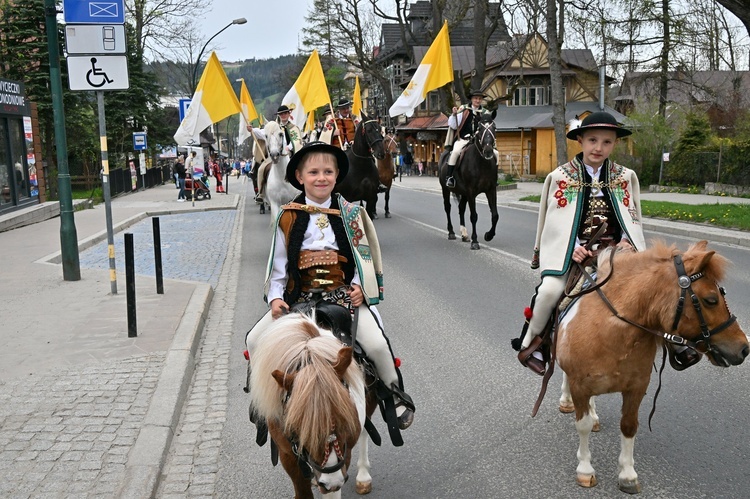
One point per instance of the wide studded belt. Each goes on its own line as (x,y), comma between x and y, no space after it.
(321,270)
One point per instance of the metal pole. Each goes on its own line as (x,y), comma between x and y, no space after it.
(68,236)
(157,257)
(130,285)
(106,192)
(661,165)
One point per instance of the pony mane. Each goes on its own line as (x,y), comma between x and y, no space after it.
(318,400)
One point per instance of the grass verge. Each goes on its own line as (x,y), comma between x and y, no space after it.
(732,216)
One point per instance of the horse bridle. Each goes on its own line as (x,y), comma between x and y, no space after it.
(367,138)
(486,129)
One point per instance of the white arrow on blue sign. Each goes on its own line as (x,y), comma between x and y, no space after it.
(94,11)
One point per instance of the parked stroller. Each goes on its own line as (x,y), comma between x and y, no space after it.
(201,188)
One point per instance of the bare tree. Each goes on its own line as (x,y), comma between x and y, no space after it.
(159,23)
(555,34)
(740,8)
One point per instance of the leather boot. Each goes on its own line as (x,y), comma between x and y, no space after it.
(450,182)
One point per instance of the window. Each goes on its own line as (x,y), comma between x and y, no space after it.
(434,99)
(533,93)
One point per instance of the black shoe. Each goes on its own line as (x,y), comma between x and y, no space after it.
(382,188)
(450,182)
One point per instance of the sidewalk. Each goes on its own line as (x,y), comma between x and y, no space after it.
(512,198)
(85,410)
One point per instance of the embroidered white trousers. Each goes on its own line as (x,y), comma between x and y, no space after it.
(547,295)
(369,335)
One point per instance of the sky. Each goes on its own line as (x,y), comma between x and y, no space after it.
(272,27)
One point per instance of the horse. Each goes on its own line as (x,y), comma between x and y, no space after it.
(475,172)
(260,153)
(602,348)
(385,169)
(278,191)
(315,401)
(361,183)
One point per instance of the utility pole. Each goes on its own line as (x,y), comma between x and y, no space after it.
(68,236)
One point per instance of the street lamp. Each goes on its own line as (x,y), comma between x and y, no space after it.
(241,20)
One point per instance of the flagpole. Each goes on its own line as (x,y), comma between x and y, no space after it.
(336,125)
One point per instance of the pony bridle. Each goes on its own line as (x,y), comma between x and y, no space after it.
(367,137)
(307,465)
(702,345)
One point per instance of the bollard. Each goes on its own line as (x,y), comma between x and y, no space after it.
(130,285)
(157,257)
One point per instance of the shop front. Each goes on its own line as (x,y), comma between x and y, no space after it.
(18,173)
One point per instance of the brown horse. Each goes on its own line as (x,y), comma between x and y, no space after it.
(475,173)
(385,168)
(314,399)
(607,341)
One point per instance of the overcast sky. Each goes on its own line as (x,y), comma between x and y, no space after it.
(272,27)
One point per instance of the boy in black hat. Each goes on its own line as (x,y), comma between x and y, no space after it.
(462,124)
(577,198)
(323,241)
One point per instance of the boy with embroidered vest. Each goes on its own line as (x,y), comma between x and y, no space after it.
(576,199)
(323,241)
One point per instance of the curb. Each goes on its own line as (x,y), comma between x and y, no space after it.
(147,457)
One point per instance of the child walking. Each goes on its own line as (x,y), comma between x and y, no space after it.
(323,241)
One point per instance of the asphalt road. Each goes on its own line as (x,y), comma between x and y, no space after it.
(450,314)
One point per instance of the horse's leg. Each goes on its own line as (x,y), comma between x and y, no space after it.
(585,474)
(462,219)
(447,207)
(372,205)
(473,217)
(364,479)
(594,415)
(566,402)
(628,478)
(492,201)
(387,201)
(302,486)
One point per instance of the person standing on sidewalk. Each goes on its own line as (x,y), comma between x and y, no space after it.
(179,169)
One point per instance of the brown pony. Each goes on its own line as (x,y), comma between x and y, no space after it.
(313,397)
(607,341)
(385,168)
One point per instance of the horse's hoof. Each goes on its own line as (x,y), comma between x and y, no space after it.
(475,246)
(587,481)
(567,407)
(363,488)
(387,215)
(630,486)
(489,237)
(465,239)
(597,427)
(451,236)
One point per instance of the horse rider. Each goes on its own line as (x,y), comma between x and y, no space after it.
(578,197)
(326,133)
(343,134)
(292,143)
(463,123)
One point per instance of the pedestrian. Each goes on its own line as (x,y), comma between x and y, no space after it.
(312,239)
(577,198)
(216,168)
(180,173)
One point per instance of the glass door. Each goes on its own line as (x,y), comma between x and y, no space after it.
(6,196)
(18,156)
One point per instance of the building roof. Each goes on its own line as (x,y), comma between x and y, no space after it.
(512,118)
(438,121)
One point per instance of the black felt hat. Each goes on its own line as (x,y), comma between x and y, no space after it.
(477,93)
(283,109)
(599,120)
(344,103)
(341,161)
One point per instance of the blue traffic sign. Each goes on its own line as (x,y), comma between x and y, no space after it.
(184,105)
(94,11)
(139,141)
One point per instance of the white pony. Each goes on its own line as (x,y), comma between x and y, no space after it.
(278,191)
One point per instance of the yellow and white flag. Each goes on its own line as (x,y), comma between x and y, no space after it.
(435,70)
(248,114)
(309,91)
(213,100)
(357,99)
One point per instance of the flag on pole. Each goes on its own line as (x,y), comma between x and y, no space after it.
(435,70)
(357,99)
(309,91)
(248,113)
(213,100)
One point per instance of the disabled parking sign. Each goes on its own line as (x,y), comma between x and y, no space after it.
(98,72)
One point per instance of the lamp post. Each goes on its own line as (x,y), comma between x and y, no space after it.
(194,83)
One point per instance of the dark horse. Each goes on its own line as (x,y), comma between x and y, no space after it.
(475,172)
(385,169)
(361,183)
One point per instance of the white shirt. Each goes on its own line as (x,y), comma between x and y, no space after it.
(454,120)
(311,242)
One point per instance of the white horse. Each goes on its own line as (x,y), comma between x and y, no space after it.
(278,191)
